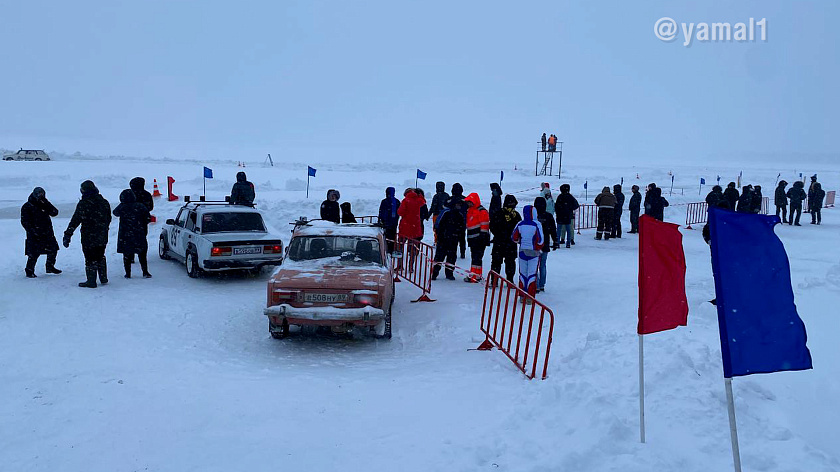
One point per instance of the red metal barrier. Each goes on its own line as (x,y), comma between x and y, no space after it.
(504,324)
(829,199)
(586,217)
(413,262)
(696,213)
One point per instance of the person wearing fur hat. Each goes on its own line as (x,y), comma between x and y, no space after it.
(131,237)
(36,218)
(780,199)
(605,201)
(330,209)
(502,224)
(93,214)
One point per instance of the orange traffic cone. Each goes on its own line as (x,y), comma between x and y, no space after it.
(156,193)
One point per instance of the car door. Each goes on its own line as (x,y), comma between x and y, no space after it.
(176,234)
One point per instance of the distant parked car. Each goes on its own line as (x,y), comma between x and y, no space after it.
(27,155)
(218,236)
(334,275)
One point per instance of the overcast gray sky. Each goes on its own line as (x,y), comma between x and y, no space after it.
(432,79)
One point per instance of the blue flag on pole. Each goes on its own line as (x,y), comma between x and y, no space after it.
(702,181)
(760,330)
(311,171)
(501,176)
(585,184)
(208,173)
(421,175)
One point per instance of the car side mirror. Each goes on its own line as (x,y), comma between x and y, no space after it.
(170,221)
(197,229)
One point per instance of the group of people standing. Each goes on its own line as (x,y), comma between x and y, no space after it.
(93,215)
(550,141)
(796,195)
(611,207)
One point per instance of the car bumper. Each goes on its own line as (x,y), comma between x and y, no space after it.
(325,315)
(231,264)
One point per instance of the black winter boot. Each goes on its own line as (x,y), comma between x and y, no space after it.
(90,272)
(51,264)
(30,267)
(127,267)
(102,268)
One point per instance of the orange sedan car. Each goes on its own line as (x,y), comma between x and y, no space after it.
(334,275)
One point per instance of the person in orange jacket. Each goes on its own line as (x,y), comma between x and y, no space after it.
(478,235)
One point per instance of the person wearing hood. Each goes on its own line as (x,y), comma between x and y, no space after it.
(796,195)
(757,199)
(242,192)
(438,203)
(458,194)
(715,198)
(549,233)
(529,235)
(605,201)
(810,193)
(411,220)
(450,225)
(93,214)
(543,141)
(745,201)
(502,224)
(478,236)
(816,203)
(655,206)
(330,209)
(780,199)
(36,218)
(388,217)
(138,186)
(731,195)
(545,192)
(619,209)
(131,237)
(347,215)
(565,208)
(635,206)
(495,199)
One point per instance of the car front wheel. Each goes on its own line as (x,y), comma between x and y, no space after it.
(192,265)
(162,252)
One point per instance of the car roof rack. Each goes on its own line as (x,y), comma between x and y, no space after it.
(303,221)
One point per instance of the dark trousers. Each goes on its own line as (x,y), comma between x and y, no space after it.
(390,237)
(94,255)
(605,220)
(33,259)
(634,221)
(783,210)
(616,227)
(816,215)
(794,210)
(463,244)
(128,258)
(506,255)
(445,251)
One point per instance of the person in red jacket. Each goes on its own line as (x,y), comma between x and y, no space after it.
(411,222)
(478,235)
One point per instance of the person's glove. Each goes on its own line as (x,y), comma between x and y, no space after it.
(66,240)
(486,239)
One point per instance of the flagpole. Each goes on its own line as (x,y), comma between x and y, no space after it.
(641,389)
(205,186)
(733,426)
(307,184)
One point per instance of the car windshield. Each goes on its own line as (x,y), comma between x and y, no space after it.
(349,249)
(227,222)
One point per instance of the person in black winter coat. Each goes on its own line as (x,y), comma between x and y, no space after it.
(780,199)
(347,215)
(502,224)
(810,193)
(635,206)
(757,199)
(564,211)
(35,217)
(138,186)
(731,195)
(451,226)
(816,202)
(716,199)
(546,219)
(619,209)
(796,196)
(458,194)
(745,201)
(495,199)
(93,214)
(330,209)
(389,219)
(656,203)
(242,192)
(131,237)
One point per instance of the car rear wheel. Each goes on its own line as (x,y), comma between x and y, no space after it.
(162,251)
(9,159)
(38,159)
(278,332)
(191,262)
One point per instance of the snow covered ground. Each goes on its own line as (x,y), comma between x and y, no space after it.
(179,374)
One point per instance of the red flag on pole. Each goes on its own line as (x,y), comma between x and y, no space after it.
(662,300)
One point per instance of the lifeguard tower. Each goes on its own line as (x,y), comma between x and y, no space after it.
(545,161)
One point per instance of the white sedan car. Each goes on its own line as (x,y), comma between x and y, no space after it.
(27,155)
(215,236)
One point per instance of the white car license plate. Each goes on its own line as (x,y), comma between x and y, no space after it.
(241,251)
(325,297)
